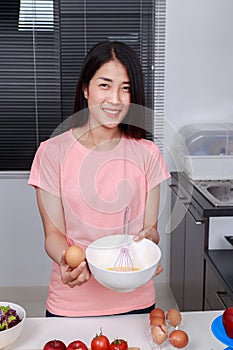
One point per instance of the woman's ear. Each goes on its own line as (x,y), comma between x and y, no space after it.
(85,92)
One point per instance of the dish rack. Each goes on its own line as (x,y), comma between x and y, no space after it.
(205,151)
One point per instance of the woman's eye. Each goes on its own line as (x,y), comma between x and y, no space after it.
(126,88)
(104,85)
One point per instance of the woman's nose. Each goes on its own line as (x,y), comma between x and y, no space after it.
(114,96)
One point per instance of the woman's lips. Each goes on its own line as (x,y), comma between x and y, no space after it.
(112,113)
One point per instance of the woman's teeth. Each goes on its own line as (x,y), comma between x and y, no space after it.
(111,112)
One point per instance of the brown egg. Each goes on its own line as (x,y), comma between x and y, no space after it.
(159,333)
(74,256)
(157,312)
(157,321)
(178,338)
(174,317)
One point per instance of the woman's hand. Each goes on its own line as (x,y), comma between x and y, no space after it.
(149,233)
(74,277)
(152,234)
(158,270)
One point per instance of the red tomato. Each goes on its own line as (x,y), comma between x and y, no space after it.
(119,344)
(77,344)
(100,342)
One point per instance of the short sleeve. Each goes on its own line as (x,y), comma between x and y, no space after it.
(156,168)
(45,170)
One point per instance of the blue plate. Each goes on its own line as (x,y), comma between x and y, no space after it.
(220,333)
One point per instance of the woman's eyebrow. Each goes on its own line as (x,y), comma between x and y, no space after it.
(106,79)
(110,80)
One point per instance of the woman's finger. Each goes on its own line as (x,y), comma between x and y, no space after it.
(63,259)
(142,234)
(158,270)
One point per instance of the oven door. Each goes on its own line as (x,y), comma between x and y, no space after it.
(220,228)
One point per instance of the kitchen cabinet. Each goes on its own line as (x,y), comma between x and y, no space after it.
(216,296)
(200,271)
(187,249)
(218,279)
(194,263)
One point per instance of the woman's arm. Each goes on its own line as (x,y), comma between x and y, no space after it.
(52,215)
(151,216)
(151,219)
(51,211)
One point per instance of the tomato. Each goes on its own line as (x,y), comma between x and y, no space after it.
(77,344)
(100,342)
(119,344)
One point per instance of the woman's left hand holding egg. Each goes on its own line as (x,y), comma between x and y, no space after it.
(71,275)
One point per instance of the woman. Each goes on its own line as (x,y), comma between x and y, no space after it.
(86,176)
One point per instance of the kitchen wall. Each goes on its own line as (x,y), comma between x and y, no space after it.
(199,54)
(199,78)
(199,88)
(23,261)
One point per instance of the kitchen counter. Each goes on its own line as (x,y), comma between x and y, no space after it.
(207,208)
(134,328)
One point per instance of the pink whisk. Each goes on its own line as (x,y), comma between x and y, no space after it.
(124,261)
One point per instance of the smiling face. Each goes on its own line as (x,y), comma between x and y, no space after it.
(108,95)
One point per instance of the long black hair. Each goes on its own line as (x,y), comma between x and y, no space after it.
(134,123)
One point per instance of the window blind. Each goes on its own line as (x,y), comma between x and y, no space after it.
(84,23)
(29,81)
(42,47)
(159,72)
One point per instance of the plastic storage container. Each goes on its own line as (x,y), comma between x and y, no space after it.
(205,151)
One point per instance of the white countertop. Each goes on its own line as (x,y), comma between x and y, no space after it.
(133,328)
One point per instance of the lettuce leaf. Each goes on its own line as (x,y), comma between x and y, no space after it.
(8,317)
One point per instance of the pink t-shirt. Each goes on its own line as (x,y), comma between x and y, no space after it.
(95,187)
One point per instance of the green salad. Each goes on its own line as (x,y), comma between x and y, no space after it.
(8,317)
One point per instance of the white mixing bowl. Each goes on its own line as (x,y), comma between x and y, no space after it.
(102,254)
(10,335)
